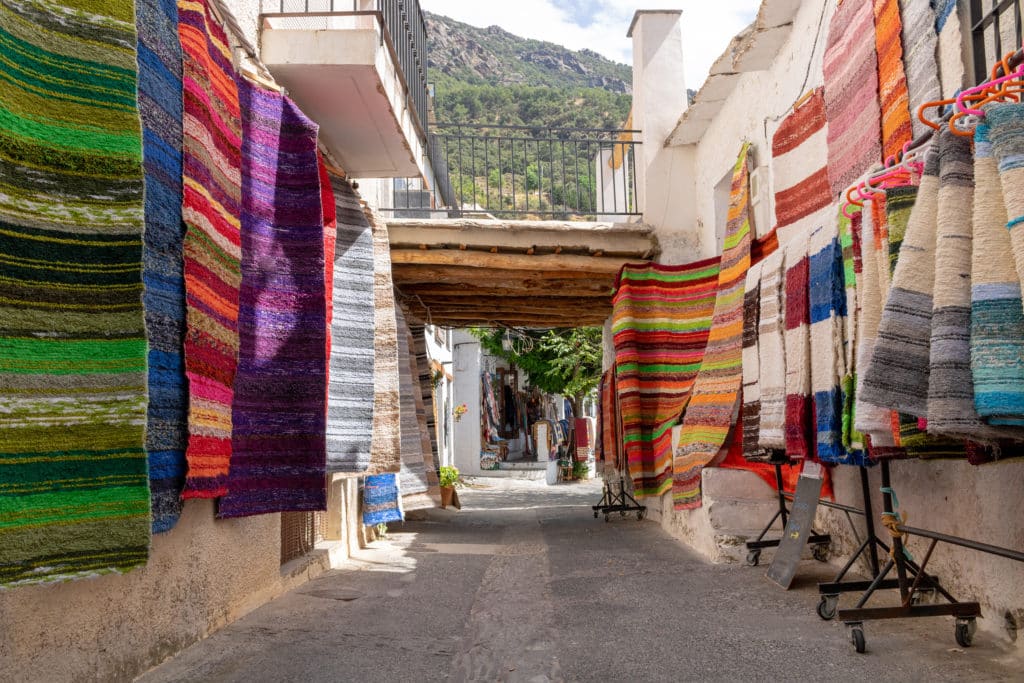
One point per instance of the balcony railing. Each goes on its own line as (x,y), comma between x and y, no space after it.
(403,31)
(547,173)
(993,29)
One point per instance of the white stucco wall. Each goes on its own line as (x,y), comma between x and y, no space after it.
(466,432)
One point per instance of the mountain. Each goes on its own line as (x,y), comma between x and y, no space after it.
(493,56)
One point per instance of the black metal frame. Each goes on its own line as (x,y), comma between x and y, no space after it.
(820,542)
(569,155)
(621,502)
(981,20)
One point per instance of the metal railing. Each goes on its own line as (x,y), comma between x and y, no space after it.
(994,31)
(510,171)
(403,30)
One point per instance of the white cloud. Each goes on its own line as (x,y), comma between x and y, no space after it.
(707,26)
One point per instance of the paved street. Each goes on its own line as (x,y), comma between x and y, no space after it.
(525,585)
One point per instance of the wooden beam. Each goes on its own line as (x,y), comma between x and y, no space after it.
(477,259)
(432,273)
(464,291)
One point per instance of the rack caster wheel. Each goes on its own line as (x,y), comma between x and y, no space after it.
(857,636)
(606,517)
(753,558)
(827,607)
(639,515)
(622,513)
(965,629)
(595,514)
(923,596)
(820,553)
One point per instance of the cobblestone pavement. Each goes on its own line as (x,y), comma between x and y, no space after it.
(523,584)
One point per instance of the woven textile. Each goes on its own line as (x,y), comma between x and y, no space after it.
(896,376)
(799,160)
(212,181)
(851,95)
(425,383)
(751,411)
(997,316)
(382,500)
(827,351)
(920,42)
(430,463)
(660,321)
(278,451)
(1006,124)
(799,427)
(892,79)
(950,49)
(385,447)
(771,353)
(412,475)
(159,97)
(714,399)
(609,441)
(853,267)
(330,213)
(351,393)
(74,494)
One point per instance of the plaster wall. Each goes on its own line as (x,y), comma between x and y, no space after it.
(466,389)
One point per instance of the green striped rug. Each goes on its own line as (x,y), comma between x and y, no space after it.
(74,495)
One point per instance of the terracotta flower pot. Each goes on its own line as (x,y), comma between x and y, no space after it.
(447,494)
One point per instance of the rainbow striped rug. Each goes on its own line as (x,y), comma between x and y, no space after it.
(278,439)
(160,106)
(661,320)
(714,399)
(74,493)
(892,78)
(211,208)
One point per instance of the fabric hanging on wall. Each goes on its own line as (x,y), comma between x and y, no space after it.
(1006,124)
(330,213)
(278,449)
(997,316)
(892,79)
(851,95)
(920,41)
(896,376)
(412,476)
(751,410)
(430,462)
(827,349)
(799,161)
(950,384)
(425,382)
(799,425)
(212,207)
(714,398)
(74,491)
(385,444)
(352,391)
(661,317)
(382,500)
(853,268)
(771,353)
(951,46)
(160,107)
(489,410)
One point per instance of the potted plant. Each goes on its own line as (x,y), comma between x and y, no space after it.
(449,476)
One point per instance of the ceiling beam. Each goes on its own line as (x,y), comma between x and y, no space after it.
(479,259)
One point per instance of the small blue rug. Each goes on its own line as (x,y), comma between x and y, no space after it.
(382,501)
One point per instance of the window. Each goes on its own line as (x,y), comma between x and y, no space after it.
(723,190)
(996,28)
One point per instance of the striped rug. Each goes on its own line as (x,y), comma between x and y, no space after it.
(950,45)
(351,394)
(853,267)
(329,209)
(920,42)
(385,445)
(997,315)
(892,79)
(660,321)
(160,102)
(382,500)
(211,149)
(750,414)
(851,95)
(771,353)
(413,474)
(799,161)
(799,425)
(714,398)
(425,383)
(278,452)
(1006,123)
(430,459)
(74,493)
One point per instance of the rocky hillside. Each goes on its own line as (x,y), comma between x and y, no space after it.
(493,56)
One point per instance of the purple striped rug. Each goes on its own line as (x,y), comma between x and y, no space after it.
(278,439)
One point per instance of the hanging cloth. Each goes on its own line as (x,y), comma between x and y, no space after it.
(920,42)
(798,427)
(751,410)
(853,268)
(892,79)
(771,354)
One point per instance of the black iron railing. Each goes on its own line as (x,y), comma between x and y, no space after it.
(403,30)
(995,29)
(510,171)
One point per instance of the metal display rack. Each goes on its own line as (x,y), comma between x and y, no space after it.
(621,502)
(820,542)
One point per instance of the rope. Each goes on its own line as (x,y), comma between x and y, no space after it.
(892,521)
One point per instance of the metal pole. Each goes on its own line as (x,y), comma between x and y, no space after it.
(869,520)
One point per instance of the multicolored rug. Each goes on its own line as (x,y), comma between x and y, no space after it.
(661,320)
(386,444)
(799,162)
(351,394)
(413,474)
(853,267)
(799,426)
(750,413)
(74,494)
(851,95)
(328,205)
(212,181)
(160,106)
(772,353)
(892,79)
(278,444)
(714,398)
(425,383)
(382,500)
(920,41)
(997,315)
(1006,133)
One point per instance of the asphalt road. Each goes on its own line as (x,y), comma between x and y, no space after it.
(525,585)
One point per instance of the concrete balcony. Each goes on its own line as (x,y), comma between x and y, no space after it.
(358,68)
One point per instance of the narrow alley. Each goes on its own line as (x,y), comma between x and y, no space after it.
(523,584)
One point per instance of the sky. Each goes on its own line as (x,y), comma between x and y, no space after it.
(601,25)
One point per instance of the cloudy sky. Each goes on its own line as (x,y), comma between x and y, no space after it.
(601,25)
